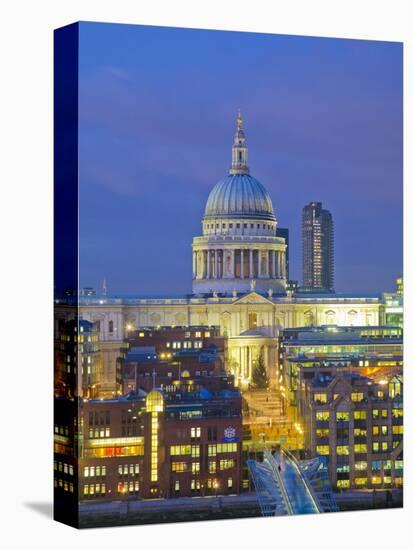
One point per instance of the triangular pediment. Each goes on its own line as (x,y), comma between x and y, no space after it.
(253,298)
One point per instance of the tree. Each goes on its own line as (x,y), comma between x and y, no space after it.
(260,378)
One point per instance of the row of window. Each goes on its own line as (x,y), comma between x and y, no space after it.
(94,489)
(362,432)
(211,484)
(130,487)
(94,471)
(180,467)
(128,469)
(63,467)
(375,480)
(361,448)
(344,416)
(99,432)
(197,344)
(64,484)
(238,226)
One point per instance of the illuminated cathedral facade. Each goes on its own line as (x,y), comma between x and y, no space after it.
(239,282)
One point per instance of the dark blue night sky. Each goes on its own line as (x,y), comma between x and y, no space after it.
(323,121)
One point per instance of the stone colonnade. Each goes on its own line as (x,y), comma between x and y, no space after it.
(242,263)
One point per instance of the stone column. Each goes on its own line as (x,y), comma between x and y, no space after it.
(208,273)
(273,264)
(259,264)
(278,265)
(193,265)
(233,263)
(251,271)
(283,273)
(242,264)
(267,264)
(216,264)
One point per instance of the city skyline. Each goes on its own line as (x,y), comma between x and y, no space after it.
(154,143)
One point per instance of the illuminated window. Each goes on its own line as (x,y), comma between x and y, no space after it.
(195,451)
(397,413)
(320,397)
(322,415)
(196,467)
(384,413)
(323,449)
(397,430)
(212,467)
(322,432)
(226,464)
(384,446)
(361,465)
(376,480)
(343,483)
(375,430)
(342,416)
(375,413)
(360,415)
(360,481)
(375,446)
(356,397)
(177,486)
(195,433)
(384,430)
(179,467)
(360,448)
(212,450)
(229,483)
(342,449)
(195,485)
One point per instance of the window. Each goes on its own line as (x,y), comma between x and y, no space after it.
(384,413)
(376,465)
(375,430)
(226,464)
(322,432)
(212,467)
(195,451)
(356,397)
(375,413)
(397,430)
(342,450)
(360,481)
(343,483)
(322,415)
(397,413)
(229,483)
(384,430)
(323,450)
(361,465)
(177,486)
(177,450)
(196,467)
(360,415)
(375,446)
(360,448)
(320,397)
(110,326)
(179,467)
(376,480)
(342,416)
(195,485)
(195,433)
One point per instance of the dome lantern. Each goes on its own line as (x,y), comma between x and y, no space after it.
(239,150)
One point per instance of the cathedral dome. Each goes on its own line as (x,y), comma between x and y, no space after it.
(239,196)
